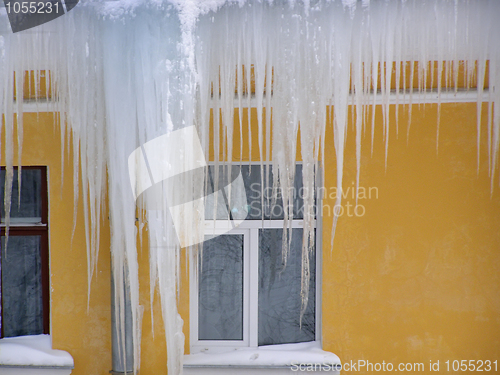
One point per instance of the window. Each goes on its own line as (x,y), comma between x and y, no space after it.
(245,296)
(24,265)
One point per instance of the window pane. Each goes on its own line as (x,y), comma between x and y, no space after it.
(255,191)
(220,303)
(22,286)
(230,194)
(279,291)
(30,210)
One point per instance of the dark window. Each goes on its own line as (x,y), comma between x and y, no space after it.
(280,299)
(24,262)
(220,307)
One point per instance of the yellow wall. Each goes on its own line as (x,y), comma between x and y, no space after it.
(86,336)
(416,278)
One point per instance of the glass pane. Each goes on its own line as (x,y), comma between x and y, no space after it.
(22,298)
(220,299)
(255,190)
(30,210)
(229,193)
(279,291)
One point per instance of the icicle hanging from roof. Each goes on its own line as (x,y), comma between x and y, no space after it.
(126,72)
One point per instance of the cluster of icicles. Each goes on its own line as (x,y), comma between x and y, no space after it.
(124,74)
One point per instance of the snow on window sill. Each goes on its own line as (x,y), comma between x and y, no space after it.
(33,352)
(271,359)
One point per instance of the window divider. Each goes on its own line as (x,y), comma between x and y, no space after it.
(254,286)
(247,280)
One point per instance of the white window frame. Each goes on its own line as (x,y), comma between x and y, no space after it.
(250,231)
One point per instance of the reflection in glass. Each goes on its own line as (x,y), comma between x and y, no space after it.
(220,303)
(30,209)
(279,291)
(257,192)
(227,196)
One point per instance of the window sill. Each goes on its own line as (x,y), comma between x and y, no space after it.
(273,359)
(33,355)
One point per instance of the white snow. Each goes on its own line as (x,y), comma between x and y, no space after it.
(32,351)
(274,355)
(129,71)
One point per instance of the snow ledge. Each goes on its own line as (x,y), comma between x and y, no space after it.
(34,352)
(264,357)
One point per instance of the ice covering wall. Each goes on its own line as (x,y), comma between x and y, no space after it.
(126,72)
